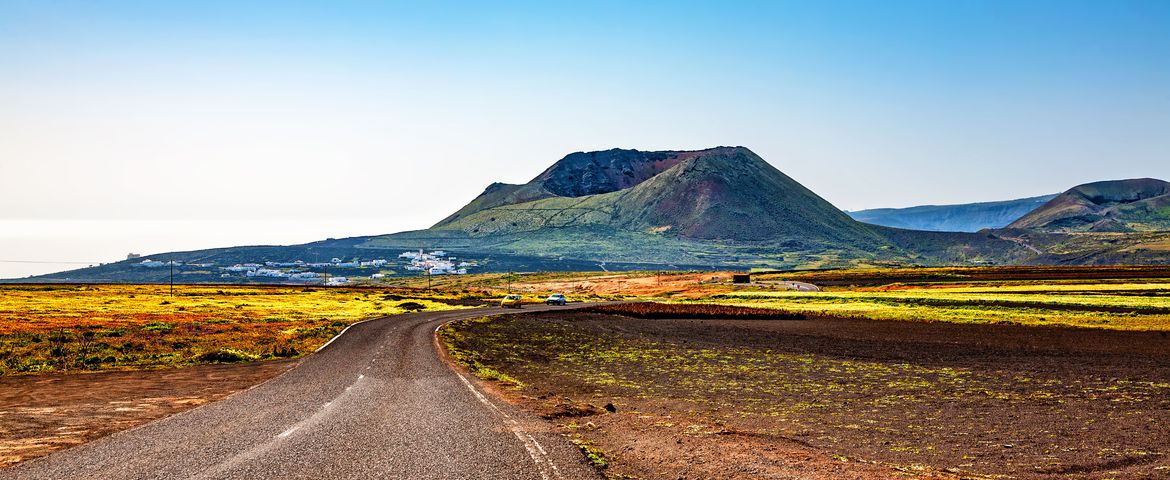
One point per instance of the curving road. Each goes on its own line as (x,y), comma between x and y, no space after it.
(377,402)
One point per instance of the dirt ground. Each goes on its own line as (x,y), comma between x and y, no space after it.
(666,284)
(42,414)
(832,398)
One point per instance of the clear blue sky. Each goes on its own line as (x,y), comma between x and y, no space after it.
(405,111)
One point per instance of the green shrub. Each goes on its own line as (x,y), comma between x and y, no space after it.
(227,355)
(162,327)
(412,306)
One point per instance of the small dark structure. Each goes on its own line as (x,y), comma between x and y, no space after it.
(741,278)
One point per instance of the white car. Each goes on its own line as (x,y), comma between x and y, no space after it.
(555,299)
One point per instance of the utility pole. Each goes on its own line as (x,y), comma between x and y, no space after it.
(172,262)
(326,270)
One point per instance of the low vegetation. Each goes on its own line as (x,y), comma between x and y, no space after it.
(453,337)
(56,328)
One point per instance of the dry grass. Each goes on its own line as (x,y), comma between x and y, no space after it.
(116,327)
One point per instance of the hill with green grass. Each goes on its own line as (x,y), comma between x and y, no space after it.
(721,206)
(1136,205)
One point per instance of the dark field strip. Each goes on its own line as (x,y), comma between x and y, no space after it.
(649,310)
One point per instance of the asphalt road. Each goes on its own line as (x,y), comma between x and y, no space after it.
(377,402)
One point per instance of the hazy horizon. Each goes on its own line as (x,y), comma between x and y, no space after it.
(121,117)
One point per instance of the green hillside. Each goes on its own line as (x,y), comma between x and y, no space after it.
(1137,205)
(721,206)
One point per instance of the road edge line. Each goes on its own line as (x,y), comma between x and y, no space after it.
(535,450)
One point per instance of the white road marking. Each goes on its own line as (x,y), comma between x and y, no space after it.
(548,469)
(556,471)
(260,449)
(335,337)
(342,332)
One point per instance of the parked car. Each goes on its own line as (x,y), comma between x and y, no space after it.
(511,301)
(555,299)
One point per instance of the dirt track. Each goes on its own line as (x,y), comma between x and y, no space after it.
(748,398)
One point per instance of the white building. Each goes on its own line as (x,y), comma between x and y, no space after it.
(268,272)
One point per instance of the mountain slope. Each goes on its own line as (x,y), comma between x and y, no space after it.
(1136,205)
(578,174)
(969,217)
(718,194)
(720,206)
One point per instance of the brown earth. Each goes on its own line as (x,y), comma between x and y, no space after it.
(44,413)
(841,398)
(638,283)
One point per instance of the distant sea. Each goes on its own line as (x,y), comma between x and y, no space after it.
(35,247)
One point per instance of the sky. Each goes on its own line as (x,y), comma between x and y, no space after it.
(346,117)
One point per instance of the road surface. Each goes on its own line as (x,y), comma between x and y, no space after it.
(376,402)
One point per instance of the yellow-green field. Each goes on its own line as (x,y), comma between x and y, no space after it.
(1121,306)
(54,328)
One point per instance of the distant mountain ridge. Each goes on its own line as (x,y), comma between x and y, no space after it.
(1134,205)
(967,217)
